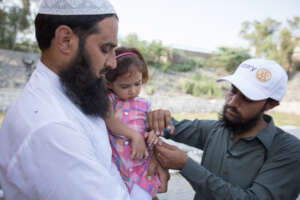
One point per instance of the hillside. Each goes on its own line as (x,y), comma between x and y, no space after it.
(163,89)
(164,92)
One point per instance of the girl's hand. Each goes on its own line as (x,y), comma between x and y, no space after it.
(138,146)
(152,139)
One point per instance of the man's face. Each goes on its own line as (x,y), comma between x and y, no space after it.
(83,79)
(240,113)
(100,47)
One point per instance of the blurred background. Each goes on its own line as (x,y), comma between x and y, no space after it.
(187,44)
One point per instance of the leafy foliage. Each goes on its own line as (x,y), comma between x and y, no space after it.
(228,58)
(200,86)
(154,52)
(183,63)
(270,40)
(161,57)
(14,21)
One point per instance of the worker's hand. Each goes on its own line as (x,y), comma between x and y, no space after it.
(158,120)
(164,175)
(170,156)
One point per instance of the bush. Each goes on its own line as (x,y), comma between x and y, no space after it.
(186,85)
(228,58)
(150,90)
(182,67)
(200,86)
(188,64)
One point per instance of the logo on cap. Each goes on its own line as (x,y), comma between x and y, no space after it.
(263,75)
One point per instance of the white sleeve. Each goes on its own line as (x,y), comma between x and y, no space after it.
(61,164)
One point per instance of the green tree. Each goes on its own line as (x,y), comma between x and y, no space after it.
(13,21)
(154,52)
(161,57)
(132,40)
(270,40)
(228,58)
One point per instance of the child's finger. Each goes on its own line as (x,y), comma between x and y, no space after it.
(146,154)
(160,141)
(148,139)
(156,141)
(153,141)
(136,157)
(140,156)
(150,145)
(133,155)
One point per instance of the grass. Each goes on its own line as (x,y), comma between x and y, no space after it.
(285,119)
(280,119)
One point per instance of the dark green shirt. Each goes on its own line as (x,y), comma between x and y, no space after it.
(263,167)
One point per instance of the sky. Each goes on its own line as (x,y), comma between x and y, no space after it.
(202,25)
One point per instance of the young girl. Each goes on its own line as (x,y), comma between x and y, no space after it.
(128,144)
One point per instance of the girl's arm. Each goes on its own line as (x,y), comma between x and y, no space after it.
(117,127)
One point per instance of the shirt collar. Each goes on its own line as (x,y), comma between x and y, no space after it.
(267,134)
(51,76)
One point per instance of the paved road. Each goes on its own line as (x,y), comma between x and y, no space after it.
(179,189)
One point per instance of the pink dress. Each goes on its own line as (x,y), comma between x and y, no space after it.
(133,113)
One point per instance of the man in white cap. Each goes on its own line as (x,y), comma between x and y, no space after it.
(245,156)
(53,141)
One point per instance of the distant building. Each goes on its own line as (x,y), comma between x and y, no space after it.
(183,54)
(194,53)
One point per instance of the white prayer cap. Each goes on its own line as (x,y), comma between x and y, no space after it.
(76,7)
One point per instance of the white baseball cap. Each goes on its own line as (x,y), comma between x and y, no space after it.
(76,7)
(259,79)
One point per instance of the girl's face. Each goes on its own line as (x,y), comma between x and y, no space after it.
(128,86)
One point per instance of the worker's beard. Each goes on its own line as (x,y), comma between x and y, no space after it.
(238,125)
(83,88)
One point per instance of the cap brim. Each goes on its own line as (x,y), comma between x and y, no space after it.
(245,87)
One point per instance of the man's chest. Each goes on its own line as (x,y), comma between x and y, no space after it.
(239,163)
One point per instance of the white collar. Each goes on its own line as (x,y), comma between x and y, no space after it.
(51,75)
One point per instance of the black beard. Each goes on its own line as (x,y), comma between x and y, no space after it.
(83,88)
(238,126)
